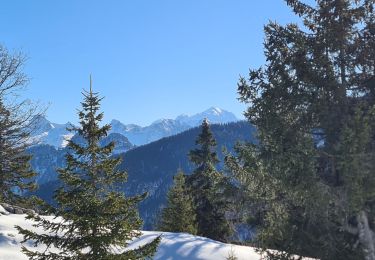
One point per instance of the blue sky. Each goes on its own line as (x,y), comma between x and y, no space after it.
(150,59)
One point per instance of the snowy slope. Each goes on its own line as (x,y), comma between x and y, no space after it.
(44,132)
(174,246)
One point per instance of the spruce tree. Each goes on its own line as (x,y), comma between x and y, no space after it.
(179,214)
(204,188)
(92,217)
(309,176)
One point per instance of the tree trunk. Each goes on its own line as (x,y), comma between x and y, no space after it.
(366,236)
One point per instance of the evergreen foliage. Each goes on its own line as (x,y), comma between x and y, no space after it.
(93,218)
(311,175)
(204,187)
(179,214)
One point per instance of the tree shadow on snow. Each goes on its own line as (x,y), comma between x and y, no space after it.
(185,247)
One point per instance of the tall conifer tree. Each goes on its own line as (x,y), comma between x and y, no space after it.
(203,185)
(312,103)
(179,214)
(96,218)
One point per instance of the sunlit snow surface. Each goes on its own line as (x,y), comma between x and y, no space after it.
(173,246)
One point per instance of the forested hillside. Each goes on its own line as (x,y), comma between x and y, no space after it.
(151,167)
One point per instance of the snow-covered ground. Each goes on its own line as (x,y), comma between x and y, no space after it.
(173,246)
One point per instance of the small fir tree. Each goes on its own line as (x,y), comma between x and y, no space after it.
(95,219)
(204,188)
(179,215)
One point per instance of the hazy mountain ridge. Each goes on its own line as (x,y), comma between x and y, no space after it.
(139,135)
(143,135)
(150,167)
(214,115)
(46,132)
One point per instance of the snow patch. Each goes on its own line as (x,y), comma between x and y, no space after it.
(3,211)
(66,139)
(216,111)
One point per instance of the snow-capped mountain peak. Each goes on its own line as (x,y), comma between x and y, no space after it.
(57,135)
(39,124)
(118,127)
(214,115)
(44,132)
(215,110)
(165,123)
(165,127)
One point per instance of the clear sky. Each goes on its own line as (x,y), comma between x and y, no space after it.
(150,59)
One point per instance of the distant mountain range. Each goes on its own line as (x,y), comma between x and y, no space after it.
(150,167)
(46,132)
(151,154)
